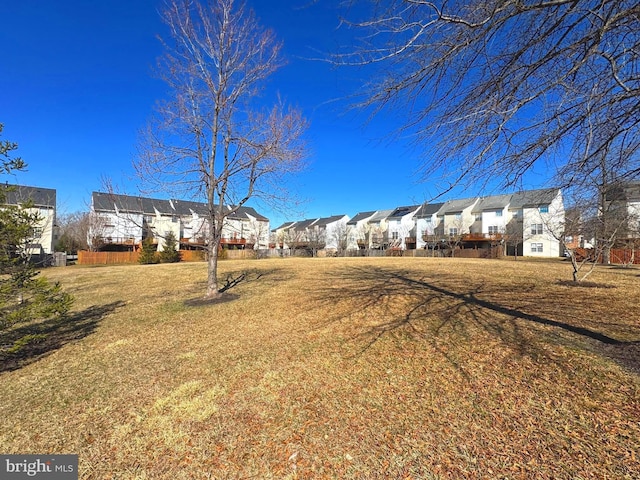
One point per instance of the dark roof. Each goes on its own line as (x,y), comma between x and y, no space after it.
(148,206)
(185,207)
(533,198)
(299,226)
(360,216)
(494,202)
(627,191)
(402,211)
(251,211)
(109,202)
(428,209)
(323,222)
(380,215)
(41,197)
(284,226)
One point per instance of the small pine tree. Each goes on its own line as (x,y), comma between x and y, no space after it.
(24,295)
(148,253)
(169,253)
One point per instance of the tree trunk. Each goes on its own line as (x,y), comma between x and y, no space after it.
(212,271)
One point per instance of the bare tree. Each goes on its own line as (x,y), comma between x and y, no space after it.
(73,232)
(211,140)
(340,237)
(512,236)
(452,238)
(316,239)
(501,86)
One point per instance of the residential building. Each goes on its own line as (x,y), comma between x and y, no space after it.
(358,231)
(455,218)
(378,227)
(42,202)
(121,222)
(427,224)
(313,234)
(335,232)
(622,206)
(402,227)
(539,216)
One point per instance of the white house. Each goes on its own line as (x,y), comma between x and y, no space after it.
(427,224)
(42,202)
(491,215)
(280,236)
(122,222)
(328,233)
(402,227)
(541,213)
(335,231)
(358,231)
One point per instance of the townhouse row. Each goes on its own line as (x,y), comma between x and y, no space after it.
(526,223)
(122,222)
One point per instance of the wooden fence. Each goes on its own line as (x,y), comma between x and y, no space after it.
(111,258)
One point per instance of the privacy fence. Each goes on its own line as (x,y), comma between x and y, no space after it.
(618,256)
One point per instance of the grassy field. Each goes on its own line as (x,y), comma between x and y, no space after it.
(335,368)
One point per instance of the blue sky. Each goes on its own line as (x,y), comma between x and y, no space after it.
(76,84)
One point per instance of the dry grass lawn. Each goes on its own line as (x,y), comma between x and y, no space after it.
(336,368)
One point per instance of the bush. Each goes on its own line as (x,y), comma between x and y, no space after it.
(169,253)
(148,254)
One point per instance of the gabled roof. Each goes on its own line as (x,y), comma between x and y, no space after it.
(533,198)
(380,215)
(323,222)
(185,207)
(299,226)
(360,216)
(454,206)
(493,202)
(284,226)
(428,209)
(108,202)
(251,211)
(41,197)
(400,212)
(625,191)
(245,213)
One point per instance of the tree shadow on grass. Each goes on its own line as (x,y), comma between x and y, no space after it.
(231,280)
(48,336)
(451,306)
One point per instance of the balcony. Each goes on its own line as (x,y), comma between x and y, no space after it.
(117,240)
(233,242)
(482,237)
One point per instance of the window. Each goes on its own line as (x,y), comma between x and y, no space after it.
(394,236)
(543,209)
(498,213)
(537,248)
(478,217)
(493,229)
(536,229)
(458,215)
(453,232)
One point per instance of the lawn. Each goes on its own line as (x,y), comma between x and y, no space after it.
(335,368)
